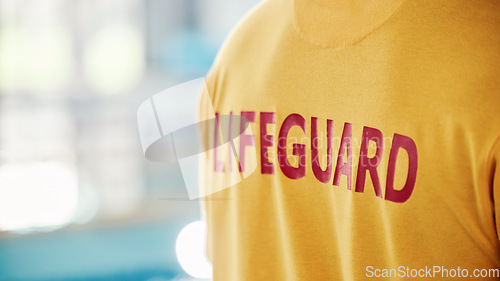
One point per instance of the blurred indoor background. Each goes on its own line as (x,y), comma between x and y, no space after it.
(78,199)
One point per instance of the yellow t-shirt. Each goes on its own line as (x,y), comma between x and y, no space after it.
(374,134)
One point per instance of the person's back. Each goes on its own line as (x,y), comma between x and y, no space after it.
(383,156)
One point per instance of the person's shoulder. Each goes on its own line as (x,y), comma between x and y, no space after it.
(473,40)
(465,35)
(481,17)
(476,23)
(252,32)
(247,42)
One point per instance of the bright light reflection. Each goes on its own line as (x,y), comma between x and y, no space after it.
(40,196)
(114,58)
(39,60)
(190,249)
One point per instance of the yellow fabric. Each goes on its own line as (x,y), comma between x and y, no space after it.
(426,70)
